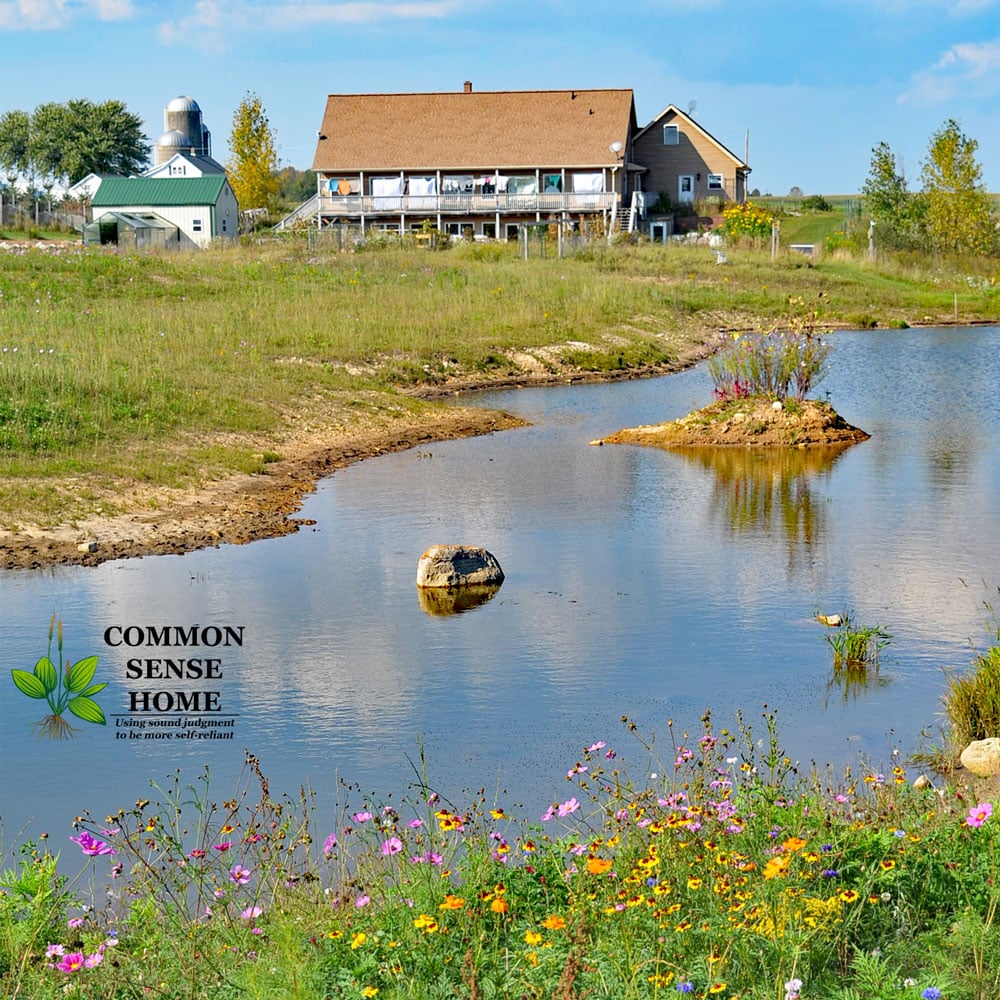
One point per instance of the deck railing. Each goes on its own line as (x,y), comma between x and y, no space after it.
(462,204)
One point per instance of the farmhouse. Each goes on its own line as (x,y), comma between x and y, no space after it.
(484,163)
(153,211)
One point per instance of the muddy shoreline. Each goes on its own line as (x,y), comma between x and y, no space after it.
(245,508)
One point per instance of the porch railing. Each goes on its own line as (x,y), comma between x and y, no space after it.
(462,204)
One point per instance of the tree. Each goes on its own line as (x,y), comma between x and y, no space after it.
(958,207)
(885,190)
(15,131)
(69,141)
(254,162)
(108,139)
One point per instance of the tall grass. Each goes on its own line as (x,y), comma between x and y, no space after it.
(972,699)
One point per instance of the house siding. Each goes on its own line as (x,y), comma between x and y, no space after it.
(695,153)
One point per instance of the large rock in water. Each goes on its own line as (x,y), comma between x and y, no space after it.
(458,566)
(982,757)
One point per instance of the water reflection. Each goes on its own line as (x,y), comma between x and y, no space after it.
(769,491)
(441,601)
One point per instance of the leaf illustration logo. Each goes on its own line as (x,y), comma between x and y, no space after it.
(67,686)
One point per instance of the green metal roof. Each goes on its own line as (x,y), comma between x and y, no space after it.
(158,191)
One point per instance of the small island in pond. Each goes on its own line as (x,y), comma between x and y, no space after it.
(761,384)
(750,422)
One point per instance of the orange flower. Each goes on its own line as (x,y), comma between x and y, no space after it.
(598,866)
(452,902)
(499,906)
(532,937)
(776,866)
(554,923)
(794,844)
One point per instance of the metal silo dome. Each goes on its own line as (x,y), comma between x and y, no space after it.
(184,104)
(174,139)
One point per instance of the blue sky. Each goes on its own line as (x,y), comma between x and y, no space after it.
(815,84)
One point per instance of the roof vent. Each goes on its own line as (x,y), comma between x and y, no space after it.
(467,86)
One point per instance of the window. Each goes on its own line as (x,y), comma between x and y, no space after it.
(671,135)
(224,225)
(454,228)
(715,182)
(490,230)
(196,225)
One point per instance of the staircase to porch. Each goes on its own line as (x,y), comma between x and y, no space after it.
(627,216)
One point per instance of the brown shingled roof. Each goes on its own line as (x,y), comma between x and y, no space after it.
(473,130)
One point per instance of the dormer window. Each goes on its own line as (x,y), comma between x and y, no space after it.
(671,135)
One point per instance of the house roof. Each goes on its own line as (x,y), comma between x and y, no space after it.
(472,130)
(206,164)
(672,112)
(158,191)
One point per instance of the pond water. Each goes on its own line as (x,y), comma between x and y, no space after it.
(639,582)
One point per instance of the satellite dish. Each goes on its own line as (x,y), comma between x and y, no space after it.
(691,106)
(615,147)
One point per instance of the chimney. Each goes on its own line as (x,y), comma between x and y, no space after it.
(467,86)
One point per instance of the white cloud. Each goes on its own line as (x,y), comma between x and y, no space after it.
(301,14)
(51,15)
(967,69)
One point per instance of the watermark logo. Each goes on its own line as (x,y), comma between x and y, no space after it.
(67,687)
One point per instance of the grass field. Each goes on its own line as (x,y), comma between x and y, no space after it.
(167,369)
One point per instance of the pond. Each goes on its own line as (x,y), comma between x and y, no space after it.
(639,583)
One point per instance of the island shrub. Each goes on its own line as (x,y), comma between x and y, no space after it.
(784,362)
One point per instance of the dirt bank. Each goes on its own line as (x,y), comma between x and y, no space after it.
(245,508)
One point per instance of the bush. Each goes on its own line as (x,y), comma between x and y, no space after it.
(746,221)
(775,364)
(816,203)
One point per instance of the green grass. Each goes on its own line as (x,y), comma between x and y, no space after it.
(162,363)
(722,871)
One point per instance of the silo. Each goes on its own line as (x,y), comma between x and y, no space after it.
(172,141)
(183,115)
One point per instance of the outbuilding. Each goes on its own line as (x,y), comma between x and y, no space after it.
(201,208)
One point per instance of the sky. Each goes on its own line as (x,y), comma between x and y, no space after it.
(808,88)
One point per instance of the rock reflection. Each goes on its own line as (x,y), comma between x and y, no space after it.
(440,601)
(767,490)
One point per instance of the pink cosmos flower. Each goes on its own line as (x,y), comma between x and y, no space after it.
(577,769)
(240,875)
(415,824)
(362,900)
(391,846)
(594,747)
(361,817)
(979,814)
(92,961)
(71,963)
(548,814)
(569,806)
(90,845)
(224,846)
(55,951)
(330,843)
(74,922)
(251,913)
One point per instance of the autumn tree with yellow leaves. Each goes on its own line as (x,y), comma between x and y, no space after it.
(253,162)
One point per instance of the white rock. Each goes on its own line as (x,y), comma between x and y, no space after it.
(87,547)
(776,406)
(457,566)
(982,757)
